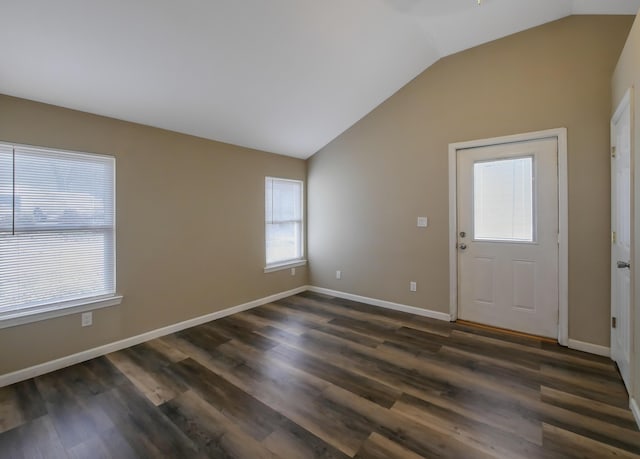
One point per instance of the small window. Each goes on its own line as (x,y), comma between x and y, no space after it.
(503,200)
(284,221)
(57,242)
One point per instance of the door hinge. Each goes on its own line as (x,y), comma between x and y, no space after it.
(613,237)
(613,151)
(614,322)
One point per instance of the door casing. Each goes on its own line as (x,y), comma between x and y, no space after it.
(625,105)
(560,134)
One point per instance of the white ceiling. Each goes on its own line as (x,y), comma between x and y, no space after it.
(285,76)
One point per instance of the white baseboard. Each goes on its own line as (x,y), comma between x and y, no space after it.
(53,365)
(635,410)
(590,348)
(384,304)
(572,343)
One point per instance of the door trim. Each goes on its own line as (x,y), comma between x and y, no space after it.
(560,134)
(625,104)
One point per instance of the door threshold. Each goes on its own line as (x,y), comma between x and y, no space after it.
(506,331)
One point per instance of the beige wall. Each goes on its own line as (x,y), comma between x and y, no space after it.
(366,188)
(627,75)
(190,227)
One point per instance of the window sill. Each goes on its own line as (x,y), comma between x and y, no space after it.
(285,265)
(50,311)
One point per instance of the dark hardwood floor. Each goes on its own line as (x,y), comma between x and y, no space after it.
(314,376)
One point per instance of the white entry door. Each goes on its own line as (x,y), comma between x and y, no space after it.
(508,236)
(621,237)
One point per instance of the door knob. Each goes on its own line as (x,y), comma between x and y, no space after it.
(462,246)
(623,264)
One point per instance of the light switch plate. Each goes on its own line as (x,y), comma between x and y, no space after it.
(423,222)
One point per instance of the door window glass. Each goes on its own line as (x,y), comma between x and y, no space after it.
(503,200)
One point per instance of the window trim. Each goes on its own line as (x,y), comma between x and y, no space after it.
(293,262)
(285,265)
(53,310)
(45,311)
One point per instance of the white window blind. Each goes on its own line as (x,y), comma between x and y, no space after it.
(503,200)
(284,222)
(56,227)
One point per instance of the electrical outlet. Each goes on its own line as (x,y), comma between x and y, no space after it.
(87,319)
(293,271)
(423,222)
(413,286)
(338,274)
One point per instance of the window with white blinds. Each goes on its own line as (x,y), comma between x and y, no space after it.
(284,221)
(56,227)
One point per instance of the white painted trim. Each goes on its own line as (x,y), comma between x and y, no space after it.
(563,239)
(51,311)
(285,265)
(635,410)
(453,230)
(563,219)
(384,304)
(53,365)
(589,347)
(623,106)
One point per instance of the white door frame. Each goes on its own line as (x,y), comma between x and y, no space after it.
(626,103)
(563,219)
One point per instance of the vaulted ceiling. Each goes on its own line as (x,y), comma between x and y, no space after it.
(285,76)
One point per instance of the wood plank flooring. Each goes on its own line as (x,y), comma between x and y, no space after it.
(314,376)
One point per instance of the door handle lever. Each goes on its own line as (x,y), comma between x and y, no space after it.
(623,264)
